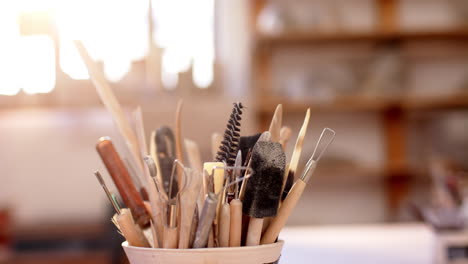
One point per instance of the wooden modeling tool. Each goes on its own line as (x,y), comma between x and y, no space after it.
(224,225)
(216,139)
(122,180)
(291,200)
(109,99)
(132,233)
(155,202)
(292,167)
(140,135)
(275,125)
(263,191)
(188,205)
(165,156)
(285,135)
(235,207)
(178,139)
(193,155)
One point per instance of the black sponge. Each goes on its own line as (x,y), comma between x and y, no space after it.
(263,190)
(246,144)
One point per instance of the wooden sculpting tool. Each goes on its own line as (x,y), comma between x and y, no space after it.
(275,125)
(122,180)
(235,207)
(178,140)
(165,155)
(292,167)
(188,204)
(263,191)
(285,135)
(296,191)
(109,99)
(132,233)
(216,139)
(224,224)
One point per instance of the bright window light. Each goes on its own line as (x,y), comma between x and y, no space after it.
(37,60)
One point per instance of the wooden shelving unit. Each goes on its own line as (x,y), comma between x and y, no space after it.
(392,110)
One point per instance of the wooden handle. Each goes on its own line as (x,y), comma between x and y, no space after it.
(224,225)
(132,233)
(236,223)
(255,231)
(170,237)
(122,181)
(284,212)
(188,203)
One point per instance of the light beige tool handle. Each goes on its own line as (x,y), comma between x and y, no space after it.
(235,231)
(170,237)
(254,232)
(132,233)
(275,125)
(224,225)
(284,212)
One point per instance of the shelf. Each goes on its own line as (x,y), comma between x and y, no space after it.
(364,104)
(304,37)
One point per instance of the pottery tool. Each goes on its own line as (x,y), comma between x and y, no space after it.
(235,207)
(291,200)
(285,135)
(292,167)
(122,180)
(263,191)
(188,204)
(246,143)
(178,139)
(224,225)
(208,214)
(265,136)
(108,193)
(193,155)
(275,125)
(165,155)
(109,99)
(230,143)
(156,202)
(123,219)
(172,208)
(216,139)
(132,232)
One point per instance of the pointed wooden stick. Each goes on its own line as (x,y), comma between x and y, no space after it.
(275,125)
(285,135)
(178,141)
(110,101)
(291,169)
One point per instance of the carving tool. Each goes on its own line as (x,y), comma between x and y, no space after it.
(155,202)
(291,200)
(122,180)
(263,191)
(292,167)
(235,207)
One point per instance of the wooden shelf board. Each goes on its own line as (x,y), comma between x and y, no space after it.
(304,37)
(364,104)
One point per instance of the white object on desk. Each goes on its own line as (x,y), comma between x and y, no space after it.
(363,244)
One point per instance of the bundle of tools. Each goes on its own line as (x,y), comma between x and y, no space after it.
(174,200)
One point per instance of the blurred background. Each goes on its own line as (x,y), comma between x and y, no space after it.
(389,76)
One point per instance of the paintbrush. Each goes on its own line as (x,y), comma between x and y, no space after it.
(122,180)
(291,200)
(292,167)
(263,191)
